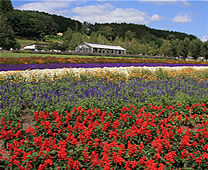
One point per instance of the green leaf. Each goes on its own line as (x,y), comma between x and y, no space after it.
(34,154)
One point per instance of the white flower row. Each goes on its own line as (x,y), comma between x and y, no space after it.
(50,73)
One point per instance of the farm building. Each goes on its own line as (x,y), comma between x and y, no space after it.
(99,48)
(30,48)
(34,47)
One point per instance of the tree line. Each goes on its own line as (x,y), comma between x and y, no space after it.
(148,45)
(137,39)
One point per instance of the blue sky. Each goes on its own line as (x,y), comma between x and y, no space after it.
(186,16)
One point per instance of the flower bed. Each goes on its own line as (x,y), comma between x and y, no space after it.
(46,60)
(90,65)
(108,91)
(165,126)
(152,137)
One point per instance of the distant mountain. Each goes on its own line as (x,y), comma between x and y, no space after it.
(34,25)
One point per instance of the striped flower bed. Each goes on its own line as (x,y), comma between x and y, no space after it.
(90,65)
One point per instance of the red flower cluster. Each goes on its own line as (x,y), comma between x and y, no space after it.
(149,138)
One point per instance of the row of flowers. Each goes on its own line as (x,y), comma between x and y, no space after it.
(142,138)
(89,65)
(45,60)
(107,73)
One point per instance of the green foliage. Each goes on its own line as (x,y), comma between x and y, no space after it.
(107,31)
(205,50)
(31,24)
(62,93)
(195,48)
(63,23)
(53,38)
(129,35)
(26,42)
(7,38)
(165,49)
(137,39)
(54,46)
(163,120)
(174,46)
(137,137)
(183,48)
(73,39)
(5,6)
(40,22)
(152,39)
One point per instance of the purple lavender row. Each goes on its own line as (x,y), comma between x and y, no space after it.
(87,65)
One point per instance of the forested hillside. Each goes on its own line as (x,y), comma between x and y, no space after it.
(140,31)
(137,39)
(34,24)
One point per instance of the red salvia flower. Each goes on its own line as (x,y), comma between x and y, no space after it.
(116,124)
(199,160)
(76,165)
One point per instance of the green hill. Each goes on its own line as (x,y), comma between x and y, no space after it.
(35,25)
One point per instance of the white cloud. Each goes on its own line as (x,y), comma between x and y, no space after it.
(156,17)
(182,18)
(108,13)
(46,6)
(100,13)
(164,2)
(204,38)
(160,2)
(92,10)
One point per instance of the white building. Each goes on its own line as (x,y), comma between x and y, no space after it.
(30,47)
(34,47)
(99,48)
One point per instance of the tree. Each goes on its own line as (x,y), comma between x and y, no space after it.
(182,48)
(53,46)
(107,31)
(101,39)
(174,46)
(165,49)
(129,35)
(76,39)
(132,47)
(28,24)
(47,21)
(93,37)
(84,29)
(171,37)
(205,50)
(42,34)
(142,48)
(76,27)
(195,48)
(152,39)
(152,48)
(5,6)
(118,41)
(7,38)
(67,37)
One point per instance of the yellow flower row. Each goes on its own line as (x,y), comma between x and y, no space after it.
(116,74)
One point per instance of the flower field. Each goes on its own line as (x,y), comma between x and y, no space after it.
(73,59)
(105,118)
(8,64)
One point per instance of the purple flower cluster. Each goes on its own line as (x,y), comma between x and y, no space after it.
(87,65)
(67,93)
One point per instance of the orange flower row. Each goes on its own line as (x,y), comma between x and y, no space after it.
(44,60)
